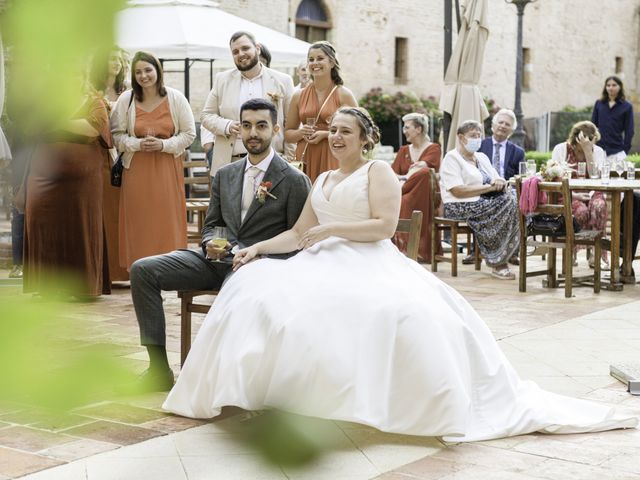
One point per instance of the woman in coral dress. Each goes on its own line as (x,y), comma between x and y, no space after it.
(412,165)
(312,108)
(153,130)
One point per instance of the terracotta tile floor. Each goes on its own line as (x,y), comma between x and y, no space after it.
(565,345)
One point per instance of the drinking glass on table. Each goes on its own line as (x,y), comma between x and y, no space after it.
(605,171)
(522,169)
(531,167)
(219,239)
(631,171)
(582,169)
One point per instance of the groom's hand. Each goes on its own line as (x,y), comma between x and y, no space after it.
(214,252)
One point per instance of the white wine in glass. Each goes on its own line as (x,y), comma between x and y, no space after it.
(219,239)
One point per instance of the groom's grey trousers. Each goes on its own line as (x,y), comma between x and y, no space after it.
(178,270)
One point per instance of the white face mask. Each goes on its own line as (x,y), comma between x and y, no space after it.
(473,144)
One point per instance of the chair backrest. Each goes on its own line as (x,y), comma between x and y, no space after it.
(436,198)
(196,177)
(413,227)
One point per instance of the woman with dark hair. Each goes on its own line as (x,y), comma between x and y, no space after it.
(64,251)
(373,337)
(153,125)
(311,109)
(412,165)
(613,115)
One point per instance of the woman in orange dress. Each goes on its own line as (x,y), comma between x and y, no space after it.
(412,165)
(312,108)
(64,251)
(153,125)
(108,76)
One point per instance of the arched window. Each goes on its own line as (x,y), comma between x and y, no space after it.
(312,22)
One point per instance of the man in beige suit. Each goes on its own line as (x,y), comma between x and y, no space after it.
(232,88)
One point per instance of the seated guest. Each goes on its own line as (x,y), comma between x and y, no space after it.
(504,155)
(412,167)
(473,191)
(589,208)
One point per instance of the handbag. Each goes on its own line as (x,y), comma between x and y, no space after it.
(116,172)
(550,225)
(118,167)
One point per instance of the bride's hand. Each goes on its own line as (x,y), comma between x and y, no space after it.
(314,235)
(244,256)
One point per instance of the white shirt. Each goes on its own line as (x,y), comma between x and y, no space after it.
(455,171)
(249,88)
(503,153)
(262,166)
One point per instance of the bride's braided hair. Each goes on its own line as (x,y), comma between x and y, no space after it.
(368,129)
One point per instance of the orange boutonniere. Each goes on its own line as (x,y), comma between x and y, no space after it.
(263,192)
(275,97)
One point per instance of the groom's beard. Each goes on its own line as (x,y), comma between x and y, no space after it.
(259,146)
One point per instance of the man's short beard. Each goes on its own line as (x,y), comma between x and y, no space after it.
(262,150)
(253,63)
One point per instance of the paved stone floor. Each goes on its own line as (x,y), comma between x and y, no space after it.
(566,345)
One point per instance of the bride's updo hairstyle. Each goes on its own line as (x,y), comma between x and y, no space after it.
(368,129)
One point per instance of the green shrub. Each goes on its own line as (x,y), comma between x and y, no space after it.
(540,157)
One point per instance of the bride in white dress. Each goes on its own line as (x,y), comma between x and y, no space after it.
(350,329)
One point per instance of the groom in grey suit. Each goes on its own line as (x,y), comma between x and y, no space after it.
(255,199)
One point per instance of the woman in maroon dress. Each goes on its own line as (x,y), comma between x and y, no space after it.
(412,165)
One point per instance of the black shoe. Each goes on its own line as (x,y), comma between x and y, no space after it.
(514,261)
(151,380)
(469,260)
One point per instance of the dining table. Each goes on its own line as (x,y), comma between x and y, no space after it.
(619,189)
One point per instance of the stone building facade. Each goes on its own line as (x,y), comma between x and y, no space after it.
(571,46)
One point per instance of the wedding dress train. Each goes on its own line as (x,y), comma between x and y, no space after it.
(356,331)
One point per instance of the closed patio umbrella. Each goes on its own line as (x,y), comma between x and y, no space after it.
(461,96)
(5,152)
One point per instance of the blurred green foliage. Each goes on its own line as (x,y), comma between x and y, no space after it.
(43,360)
(50,43)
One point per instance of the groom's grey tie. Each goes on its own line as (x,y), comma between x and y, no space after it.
(249,190)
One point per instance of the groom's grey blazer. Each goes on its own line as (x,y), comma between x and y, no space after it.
(263,220)
(190,270)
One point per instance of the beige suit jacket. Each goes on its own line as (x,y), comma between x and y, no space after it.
(222,107)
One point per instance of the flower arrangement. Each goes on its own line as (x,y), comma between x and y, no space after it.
(262,192)
(554,170)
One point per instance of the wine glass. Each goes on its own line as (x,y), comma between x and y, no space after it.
(619,166)
(150,132)
(219,238)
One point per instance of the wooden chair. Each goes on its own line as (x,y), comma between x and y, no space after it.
(456,227)
(411,226)
(558,207)
(196,206)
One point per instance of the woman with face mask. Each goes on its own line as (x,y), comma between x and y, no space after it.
(473,191)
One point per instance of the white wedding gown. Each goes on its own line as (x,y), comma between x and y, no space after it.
(356,331)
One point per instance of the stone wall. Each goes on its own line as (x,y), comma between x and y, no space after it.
(573,45)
